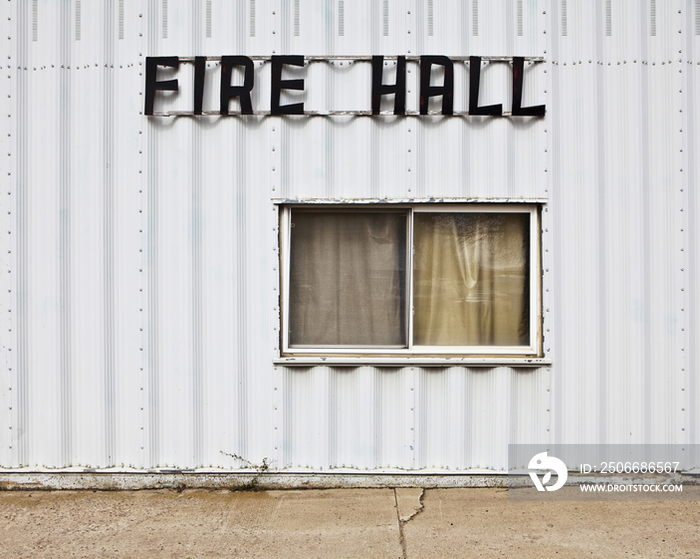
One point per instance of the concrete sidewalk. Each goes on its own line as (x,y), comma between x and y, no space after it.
(391,523)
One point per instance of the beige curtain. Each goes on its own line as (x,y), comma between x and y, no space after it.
(470,278)
(347,279)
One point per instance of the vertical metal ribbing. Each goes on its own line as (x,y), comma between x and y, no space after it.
(375,40)
(465,165)
(652,17)
(691,235)
(64,236)
(679,133)
(196,279)
(520,17)
(430,18)
(332,415)
(35,20)
(377,424)
(475,18)
(328,124)
(385,18)
(341,18)
(121,19)
(151,265)
(108,232)
(164,19)
(551,285)
(608,18)
(602,236)
(208,17)
(564,19)
(22,428)
(78,19)
(646,231)
(465,37)
(510,40)
(152,319)
(419,418)
(240,211)
(296,18)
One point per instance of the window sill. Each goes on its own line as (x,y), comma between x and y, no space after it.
(417,361)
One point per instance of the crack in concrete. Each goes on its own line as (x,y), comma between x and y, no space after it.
(420,510)
(402,523)
(402,540)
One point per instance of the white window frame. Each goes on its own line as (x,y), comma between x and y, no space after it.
(530,355)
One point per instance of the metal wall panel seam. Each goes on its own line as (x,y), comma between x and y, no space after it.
(413,419)
(6,305)
(278,417)
(691,332)
(550,221)
(127,247)
(674,236)
(686,131)
(144,253)
(423,420)
(19,108)
(12,308)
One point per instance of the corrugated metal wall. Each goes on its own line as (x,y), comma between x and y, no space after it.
(139,309)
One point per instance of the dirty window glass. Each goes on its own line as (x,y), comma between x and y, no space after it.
(470,274)
(348,279)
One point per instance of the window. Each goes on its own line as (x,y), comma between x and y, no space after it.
(419,280)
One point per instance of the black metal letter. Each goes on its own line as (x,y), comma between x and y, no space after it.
(152,63)
(200,67)
(398,90)
(241,91)
(474,79)
(446,89)
(518,109)
(278,84)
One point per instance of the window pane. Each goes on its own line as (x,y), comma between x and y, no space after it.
(471,284)
(348,279)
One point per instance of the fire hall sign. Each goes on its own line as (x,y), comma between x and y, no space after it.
(245,66)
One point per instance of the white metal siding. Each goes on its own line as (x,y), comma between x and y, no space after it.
(139,305)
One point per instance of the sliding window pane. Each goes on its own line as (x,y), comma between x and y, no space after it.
(471,279)
(347,279)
